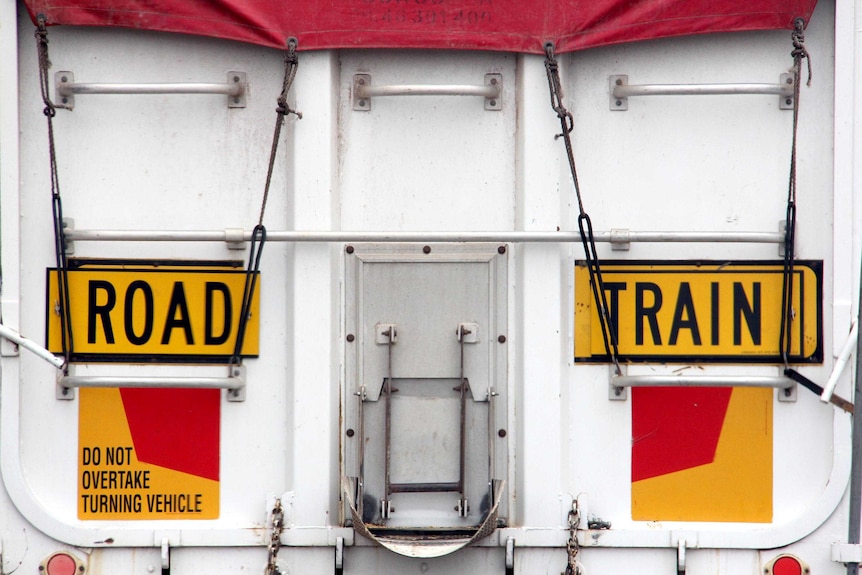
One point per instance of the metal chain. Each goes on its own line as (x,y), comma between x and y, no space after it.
(275,539)
(787,313)
(258,235)
(50,110)
(585,225)
(572,545)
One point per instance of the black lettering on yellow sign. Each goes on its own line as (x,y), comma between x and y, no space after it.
(160,311)
(114,484)
(700,311)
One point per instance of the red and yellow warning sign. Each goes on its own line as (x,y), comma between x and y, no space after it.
(702,454)
(148,454)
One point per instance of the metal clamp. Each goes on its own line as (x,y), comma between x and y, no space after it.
(620,91)
(66,88)
(363,91)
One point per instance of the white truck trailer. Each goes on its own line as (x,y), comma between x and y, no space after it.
(512,287)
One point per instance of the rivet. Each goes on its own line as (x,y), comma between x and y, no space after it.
(349,249)
(502,433)
(426,250)
(501,250)
(501,338)
(350,433)
(350,337)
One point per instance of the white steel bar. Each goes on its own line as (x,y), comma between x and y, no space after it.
(32,346)
(228,89)
(370,91)
(151,382)
(629,90)
(780,382)
(419,236)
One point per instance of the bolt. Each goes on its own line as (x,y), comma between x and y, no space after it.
(788,101)
(787,392)
(501,250)
(426,250)
(362,103)
(65,100)
(502,433)
(619,82)
(236,100)
(493,102)
(493,81)
(789,80)
(349,249)
(350,337)
(501,339)
(361,81)
(236,372)
(64,79)
(619,103)
(236,78)
(618,391)
(350,433)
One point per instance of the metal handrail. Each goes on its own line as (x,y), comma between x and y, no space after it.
(66,89)
(151,382)
(779,382)
(621,90)
(630,90)
(369,91)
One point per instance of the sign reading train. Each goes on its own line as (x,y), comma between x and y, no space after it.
(153,311)
(701,311)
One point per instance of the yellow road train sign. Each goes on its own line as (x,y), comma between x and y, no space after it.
(700,311)
(153,311)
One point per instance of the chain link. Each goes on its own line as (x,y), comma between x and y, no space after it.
(275,539)
(572,545)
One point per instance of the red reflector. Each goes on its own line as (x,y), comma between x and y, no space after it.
(61,564)
(787,566)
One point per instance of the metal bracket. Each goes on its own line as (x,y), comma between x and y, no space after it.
(166,555)
(235,238)
(339,555)
(680,557)
(619,90)
(620,240)
(386,333)
(510,556)
(363,91)
(69,226)
(237,393)
(617,392)
(469,332)
(235,89)
(847,552)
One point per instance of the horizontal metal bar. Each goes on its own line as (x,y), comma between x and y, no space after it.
(630,90)
(780,382)
(235,89)
(370,91)
(423,487)
(401,236)
(69,88)
(151,382)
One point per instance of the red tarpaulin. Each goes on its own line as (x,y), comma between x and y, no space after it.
(507,25)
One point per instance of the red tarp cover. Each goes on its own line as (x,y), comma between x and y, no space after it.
(508,25)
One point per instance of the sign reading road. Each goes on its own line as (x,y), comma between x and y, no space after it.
(701,311)
(153,311)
